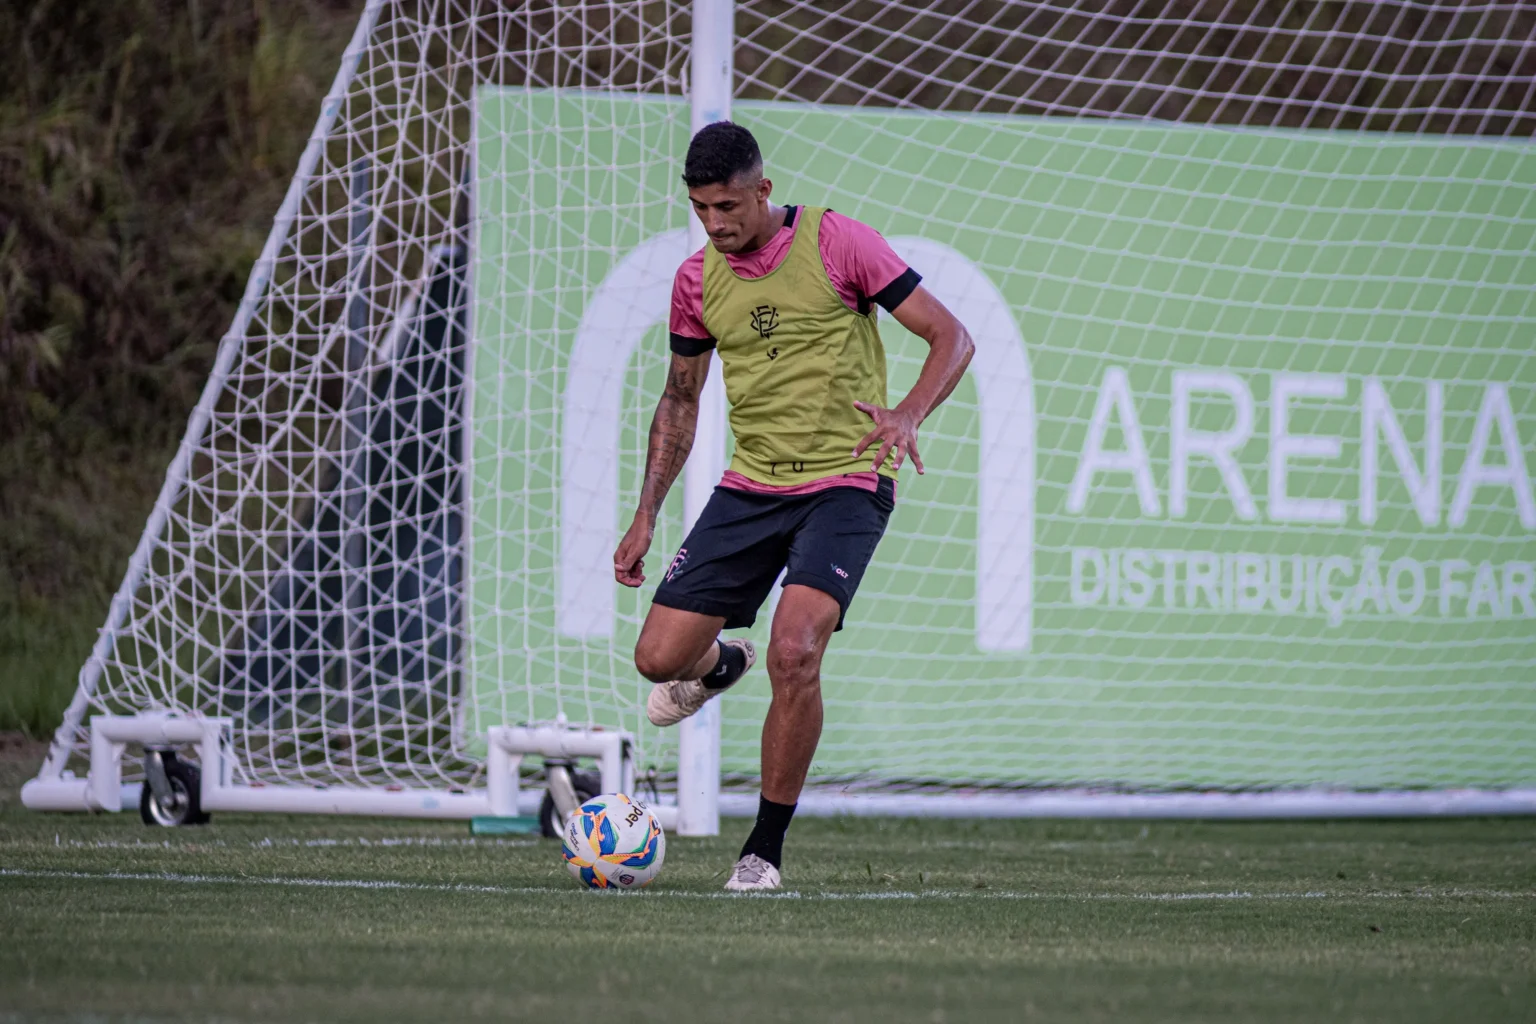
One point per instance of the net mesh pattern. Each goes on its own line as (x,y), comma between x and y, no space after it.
(315,577)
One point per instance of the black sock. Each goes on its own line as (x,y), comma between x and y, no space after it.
(732,663)
(767,838)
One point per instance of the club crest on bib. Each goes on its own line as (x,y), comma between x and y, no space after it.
(765,320)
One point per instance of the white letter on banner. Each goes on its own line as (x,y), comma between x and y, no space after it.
(1377,418)
(1334,606)
(1081,558)
(1202,573)
(1114,394)
(1450,586)
(1005,514)
(1137,592)
(1519,581)
(1415,573)
(1169,560)
(1217,446)
(1279,600)
(1485,591)
(1284,446)
(1249,584)
(1495,410)
(1370,587)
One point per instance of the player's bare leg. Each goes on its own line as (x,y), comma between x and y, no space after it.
(802,628)
(681,652)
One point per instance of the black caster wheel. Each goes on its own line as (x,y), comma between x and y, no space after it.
(184,806)
(587,786)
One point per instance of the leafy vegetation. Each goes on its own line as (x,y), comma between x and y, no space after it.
(144,146)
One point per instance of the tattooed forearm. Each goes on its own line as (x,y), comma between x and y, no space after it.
(671,440)
(672,429)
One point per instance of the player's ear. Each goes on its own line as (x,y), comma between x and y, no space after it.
(764,189)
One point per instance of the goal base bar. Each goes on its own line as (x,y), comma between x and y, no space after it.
(490,825)
(1295,803)
(71,795)
(77,795)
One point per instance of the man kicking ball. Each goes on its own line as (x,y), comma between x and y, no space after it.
(787,296)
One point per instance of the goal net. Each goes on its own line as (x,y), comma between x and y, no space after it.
(1236,495)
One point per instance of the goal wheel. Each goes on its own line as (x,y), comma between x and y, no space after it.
(587,786)
(184,807)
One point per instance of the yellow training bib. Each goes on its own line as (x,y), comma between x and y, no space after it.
(795,359)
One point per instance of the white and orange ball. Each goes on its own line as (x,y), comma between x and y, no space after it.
(612,842)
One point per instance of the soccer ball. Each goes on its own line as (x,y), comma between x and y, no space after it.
(612,842)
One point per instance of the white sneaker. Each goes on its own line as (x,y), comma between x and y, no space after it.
(751,874)
(670,703)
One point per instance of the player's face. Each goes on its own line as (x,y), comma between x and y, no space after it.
(735,215)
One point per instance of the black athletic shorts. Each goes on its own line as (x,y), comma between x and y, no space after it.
(734,552)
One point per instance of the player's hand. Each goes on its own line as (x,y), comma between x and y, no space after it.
(895,430)
(629,559)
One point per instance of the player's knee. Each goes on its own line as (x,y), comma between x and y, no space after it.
(655,663)
(794,661)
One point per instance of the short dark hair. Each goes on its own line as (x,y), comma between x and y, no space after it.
(719,153)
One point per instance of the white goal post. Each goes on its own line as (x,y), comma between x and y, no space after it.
(1232,516)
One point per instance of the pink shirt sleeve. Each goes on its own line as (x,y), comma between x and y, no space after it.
(687,319)
(859,261)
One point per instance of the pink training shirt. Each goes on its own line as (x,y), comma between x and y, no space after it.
(864,271)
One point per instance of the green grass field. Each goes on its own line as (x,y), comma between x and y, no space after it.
(265,918)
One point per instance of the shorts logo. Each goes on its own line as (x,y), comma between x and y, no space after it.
(677,563)
(765,320)
(840,572)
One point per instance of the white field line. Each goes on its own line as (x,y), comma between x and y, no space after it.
(269,843)
(932,894)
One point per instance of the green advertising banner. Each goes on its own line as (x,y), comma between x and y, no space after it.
(1237,492)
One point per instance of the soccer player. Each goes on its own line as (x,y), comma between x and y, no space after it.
(787,295)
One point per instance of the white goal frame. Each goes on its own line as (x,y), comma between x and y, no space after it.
(699,799)
(55,788)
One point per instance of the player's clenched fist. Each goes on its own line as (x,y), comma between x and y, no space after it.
(629,559)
